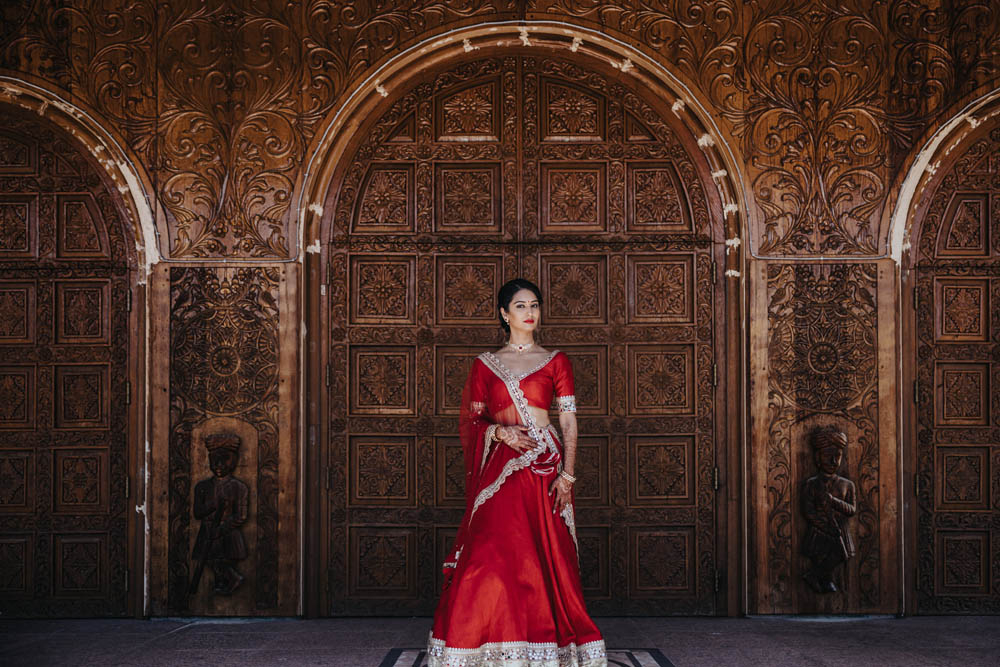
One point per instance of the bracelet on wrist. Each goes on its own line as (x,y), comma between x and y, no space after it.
(568,477)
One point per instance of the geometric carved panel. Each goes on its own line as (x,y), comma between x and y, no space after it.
(383,289)
(965,229)
(961,394)
(81,396)
(81,480)
(660,288)
(569,114)
(383,562)
(451,369)
(17,482)
(590,374)
(661,561)
(963,563)
(963,478)
(80,565)
(449,472)
(18,226)
(655,199)
(660,379)
(468,197)
(466,289)
(382,470)
(470,114)
(17,312)
(82,311)
(387,203)
(595,549)
(575,289)
(661,470)
(573,197)
(962,309)
(382,380)
(592,465)
(17,397)
(78,234)
(16,156)
(16,567)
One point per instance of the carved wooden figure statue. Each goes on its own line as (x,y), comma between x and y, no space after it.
(828,500)
(221,503)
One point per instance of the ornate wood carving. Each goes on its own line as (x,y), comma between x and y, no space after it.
(226,377)
(957,421)
(65,344)
(823,360)
(541,194)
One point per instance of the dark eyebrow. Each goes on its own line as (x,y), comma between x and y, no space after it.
(523,301)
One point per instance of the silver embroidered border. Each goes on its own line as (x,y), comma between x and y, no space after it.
(517,654)
(570,519)
(567,403)
(488,445)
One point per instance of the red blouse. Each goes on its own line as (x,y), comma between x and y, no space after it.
(554,376)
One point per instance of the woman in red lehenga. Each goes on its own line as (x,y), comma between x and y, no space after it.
(512,595)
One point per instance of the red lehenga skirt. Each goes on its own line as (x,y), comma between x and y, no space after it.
(514,598)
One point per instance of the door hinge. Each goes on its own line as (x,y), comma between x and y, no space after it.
(916,391)
(329,375)
(128,392)
(128,301)
(715,375)
(329,480)
(715,478)
(128,578)
(718,581)
(715,272)
(916,485)
(128,487)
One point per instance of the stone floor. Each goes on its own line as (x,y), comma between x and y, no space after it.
(356,642)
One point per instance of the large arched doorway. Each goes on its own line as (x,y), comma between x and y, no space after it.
(67,359)
(564,173)
(954,352)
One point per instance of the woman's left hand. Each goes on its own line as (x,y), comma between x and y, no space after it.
(561,487)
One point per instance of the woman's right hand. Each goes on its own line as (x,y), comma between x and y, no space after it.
(516,437)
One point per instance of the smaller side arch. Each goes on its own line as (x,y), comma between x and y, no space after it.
(123,168)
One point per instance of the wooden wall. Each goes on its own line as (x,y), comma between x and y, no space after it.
(823,105)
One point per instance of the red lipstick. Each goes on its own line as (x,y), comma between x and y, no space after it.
(529,321)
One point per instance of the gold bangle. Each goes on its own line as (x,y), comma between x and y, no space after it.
(568,477)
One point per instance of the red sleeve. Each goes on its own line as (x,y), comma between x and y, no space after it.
(562,375)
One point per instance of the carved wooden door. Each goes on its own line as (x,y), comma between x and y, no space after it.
(957,295)
(546,169)
(64,364)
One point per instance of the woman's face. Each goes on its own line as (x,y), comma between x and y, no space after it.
(524,311)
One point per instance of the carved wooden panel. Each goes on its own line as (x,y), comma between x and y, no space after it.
(66,345)
(824,361)
(231,332)
(504,167)
(956,426)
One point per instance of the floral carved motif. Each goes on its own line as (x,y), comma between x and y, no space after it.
(966,231)
(467,199)
(13,313)
(14,155)
(224,340)
(82,312)
(382,380)
(571,112)
(81,397)
(80,477)
(962,475)
(13,477)
(13,397)
(962,310)
(13,226)
(661,380)
(661,288)
(81,565)
(664,562)
(382,561)
(383,290)
(79,229)
(963,394)
(576,290)
(573,197)
(657,201)
(468,290)
(382,470)
(662,470)
(386,199)
(963,562)
(469,112)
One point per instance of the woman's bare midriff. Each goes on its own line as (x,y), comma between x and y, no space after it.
(541,416)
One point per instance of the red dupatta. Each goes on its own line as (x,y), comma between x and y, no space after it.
(492,397)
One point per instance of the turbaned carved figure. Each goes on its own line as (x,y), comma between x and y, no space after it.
(512,592)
